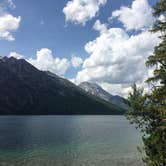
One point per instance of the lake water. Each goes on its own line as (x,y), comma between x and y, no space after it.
(68,141)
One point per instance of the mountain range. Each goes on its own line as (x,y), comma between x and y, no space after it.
(25,90)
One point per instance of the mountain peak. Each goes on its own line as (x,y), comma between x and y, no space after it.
(26,90)
(17,65)
(97,90)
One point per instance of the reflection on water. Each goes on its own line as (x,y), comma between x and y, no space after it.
(68,141)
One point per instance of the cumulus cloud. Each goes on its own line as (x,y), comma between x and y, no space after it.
(138,16)
(117,60)
(76,61)
(16,55)
(114,89)
(162,18)
(11,4)
(45,61)
(80,11)
(8,24)
(98,26)
(72,80)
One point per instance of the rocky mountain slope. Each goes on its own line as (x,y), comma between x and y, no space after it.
(96,90)
(26,90)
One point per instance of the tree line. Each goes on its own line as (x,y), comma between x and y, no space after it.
(148,110)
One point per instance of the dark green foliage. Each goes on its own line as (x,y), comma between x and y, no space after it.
(149,110)
(149,116)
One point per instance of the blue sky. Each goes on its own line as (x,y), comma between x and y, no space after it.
(63,41)
(43,25)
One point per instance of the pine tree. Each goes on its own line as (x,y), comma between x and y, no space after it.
(149,110)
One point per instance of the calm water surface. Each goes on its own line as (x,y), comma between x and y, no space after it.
(68,141)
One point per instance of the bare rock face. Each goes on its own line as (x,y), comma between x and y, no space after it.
(26,90)
(96,90)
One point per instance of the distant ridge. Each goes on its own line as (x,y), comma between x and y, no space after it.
(96,90)
(25,90)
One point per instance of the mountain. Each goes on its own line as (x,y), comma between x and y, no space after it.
(96,90)
(25,90)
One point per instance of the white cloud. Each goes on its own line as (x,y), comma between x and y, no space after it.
(8,24)
(117,59)
(76,61)
(139,16)
(80,11)
(162,18)
(122,89)
(11,4)
(45,61)
(16,55)
(100,27)
(72,80)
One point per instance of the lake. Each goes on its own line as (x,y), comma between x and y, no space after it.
(68,141)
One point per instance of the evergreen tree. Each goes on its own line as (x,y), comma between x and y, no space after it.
(149,110)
